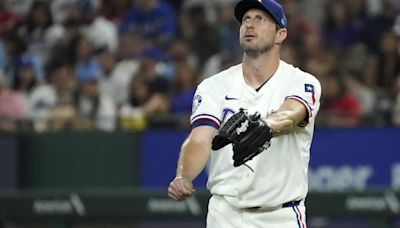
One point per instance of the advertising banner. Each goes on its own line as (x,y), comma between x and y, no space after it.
(341,159)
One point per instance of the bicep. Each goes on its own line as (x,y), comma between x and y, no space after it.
(202,135)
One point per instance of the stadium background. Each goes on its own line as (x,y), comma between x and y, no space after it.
(95,99)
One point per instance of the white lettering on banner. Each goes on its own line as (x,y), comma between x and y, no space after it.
(387,201)
(396,176)
(166,205)
(331,178)
(59,206)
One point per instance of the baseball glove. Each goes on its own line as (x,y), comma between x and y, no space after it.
(249,135)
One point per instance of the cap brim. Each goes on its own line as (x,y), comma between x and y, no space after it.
(243,6)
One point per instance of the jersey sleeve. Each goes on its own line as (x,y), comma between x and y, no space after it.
(306,90)
(206,110)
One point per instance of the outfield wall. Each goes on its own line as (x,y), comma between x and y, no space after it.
(341,159)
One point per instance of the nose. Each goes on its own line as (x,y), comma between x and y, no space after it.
(248,24)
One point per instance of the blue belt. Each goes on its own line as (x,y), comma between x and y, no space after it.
(287,204)
(291,203)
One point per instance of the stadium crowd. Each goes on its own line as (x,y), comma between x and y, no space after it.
(125,64)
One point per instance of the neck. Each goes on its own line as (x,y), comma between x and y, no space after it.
(258,69)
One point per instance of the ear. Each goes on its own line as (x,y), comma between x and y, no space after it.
(281,35)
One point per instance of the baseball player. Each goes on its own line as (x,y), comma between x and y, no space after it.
(270,189)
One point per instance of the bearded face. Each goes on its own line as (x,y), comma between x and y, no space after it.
(258,32)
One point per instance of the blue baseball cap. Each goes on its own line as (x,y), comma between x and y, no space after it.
(270,6)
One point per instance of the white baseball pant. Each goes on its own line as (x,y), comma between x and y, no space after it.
(222,215)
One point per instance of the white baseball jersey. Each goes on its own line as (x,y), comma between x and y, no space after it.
(280,172)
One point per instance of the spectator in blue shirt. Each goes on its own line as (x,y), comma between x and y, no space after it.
(152,19)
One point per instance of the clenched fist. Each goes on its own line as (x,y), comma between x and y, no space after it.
(180,189)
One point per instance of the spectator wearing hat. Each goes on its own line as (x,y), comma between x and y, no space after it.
(96,109)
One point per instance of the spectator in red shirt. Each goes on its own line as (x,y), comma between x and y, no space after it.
(339,107)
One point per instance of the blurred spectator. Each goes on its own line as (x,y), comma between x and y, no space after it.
(302,30)
(153,19)
(183,88)
(396,107)
(18,6)
(176,4)
(24,80)
(379,24)
(63,50)
(339,108)
(8,18)
(358,10)
(61,9)
(178,53)
(216,63)
(314,10)
(364,94)
(339,29)
(115,10)
(383,68)
(39,31)
(396,26)
(3,57)
(381,73)
(50,98)
(210,7)
(95,110)
(108,82)
(14,46)
(101,32)
(227,27)
(130,48)
(331,60)
(148,90)
(13,106)
(356,58)
(198,30)
(83,55)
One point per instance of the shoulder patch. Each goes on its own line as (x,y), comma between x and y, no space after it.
(196,102)
(310,89)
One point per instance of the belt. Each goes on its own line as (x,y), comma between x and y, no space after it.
(287,204)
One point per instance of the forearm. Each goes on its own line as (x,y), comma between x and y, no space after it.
(193,159)
(281,122)
(287,117)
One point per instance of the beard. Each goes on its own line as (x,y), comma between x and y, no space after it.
(257,51)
